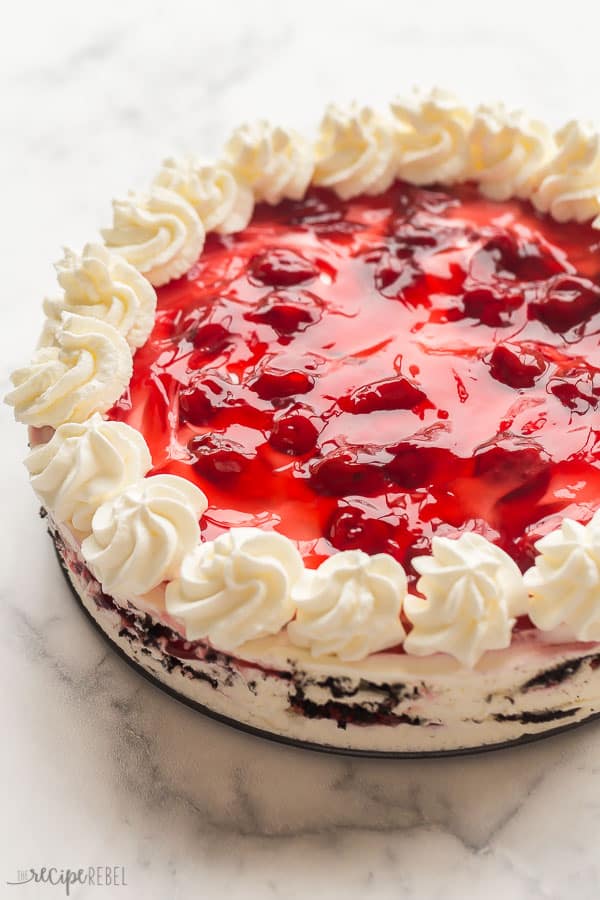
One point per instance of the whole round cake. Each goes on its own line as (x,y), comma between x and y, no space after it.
(316,428)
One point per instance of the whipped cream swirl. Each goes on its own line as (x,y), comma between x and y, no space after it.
(140,537)
(355,152)
(159,233)
(273,162)
(350,606)
(221,202)
(508,152)
(103,285)
(473,591)
(86,371)
(564,583)
(432,138)
(236,588)
(570,187)
(83,465)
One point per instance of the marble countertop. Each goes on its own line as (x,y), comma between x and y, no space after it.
(100,768)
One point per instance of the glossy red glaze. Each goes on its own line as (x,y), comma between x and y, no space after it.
(367,374)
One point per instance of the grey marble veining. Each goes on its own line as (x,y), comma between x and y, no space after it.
(99,768)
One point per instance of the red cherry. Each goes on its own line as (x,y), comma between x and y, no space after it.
(516,366)
(195,406)
(287,311)
(491,307)
(281,268)
(211,337)
(218,458)
(513,472)
(273,385)
(535,264)
(521,549)
(293,433)
(503,253)
(203,397)
(574,397)
(350,529)
(569,301)
(415,465)
(393,275)
(341,474)
(513,482)
(393,393)
(411,240)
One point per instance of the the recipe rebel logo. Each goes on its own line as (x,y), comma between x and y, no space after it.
(91,876)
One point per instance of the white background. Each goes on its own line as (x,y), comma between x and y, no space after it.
(98,767)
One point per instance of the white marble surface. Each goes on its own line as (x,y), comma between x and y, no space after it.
(99,767)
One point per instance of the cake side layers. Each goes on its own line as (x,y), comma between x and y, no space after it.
(396,705)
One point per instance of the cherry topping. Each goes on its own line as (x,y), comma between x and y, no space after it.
(195,406)
(513,473)
(393,393)
(394,275)
(535,264)
(516,366)
(183,327)
(286,311)
(503,251)
(283,353)
(293,433)
(523,552)
(350,529)
(491,307)
(211,337)
(204,397)
(316,209)
(272,385)
(416,466)
(569,301)
(579,396)
(281,268)
(217,458)
(341,474)
(506,256)
(411,240)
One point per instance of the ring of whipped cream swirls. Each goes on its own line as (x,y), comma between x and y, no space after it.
(140,532)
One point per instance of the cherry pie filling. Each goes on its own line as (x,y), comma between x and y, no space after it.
(367,374)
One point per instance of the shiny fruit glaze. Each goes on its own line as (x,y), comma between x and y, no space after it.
(366,374)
